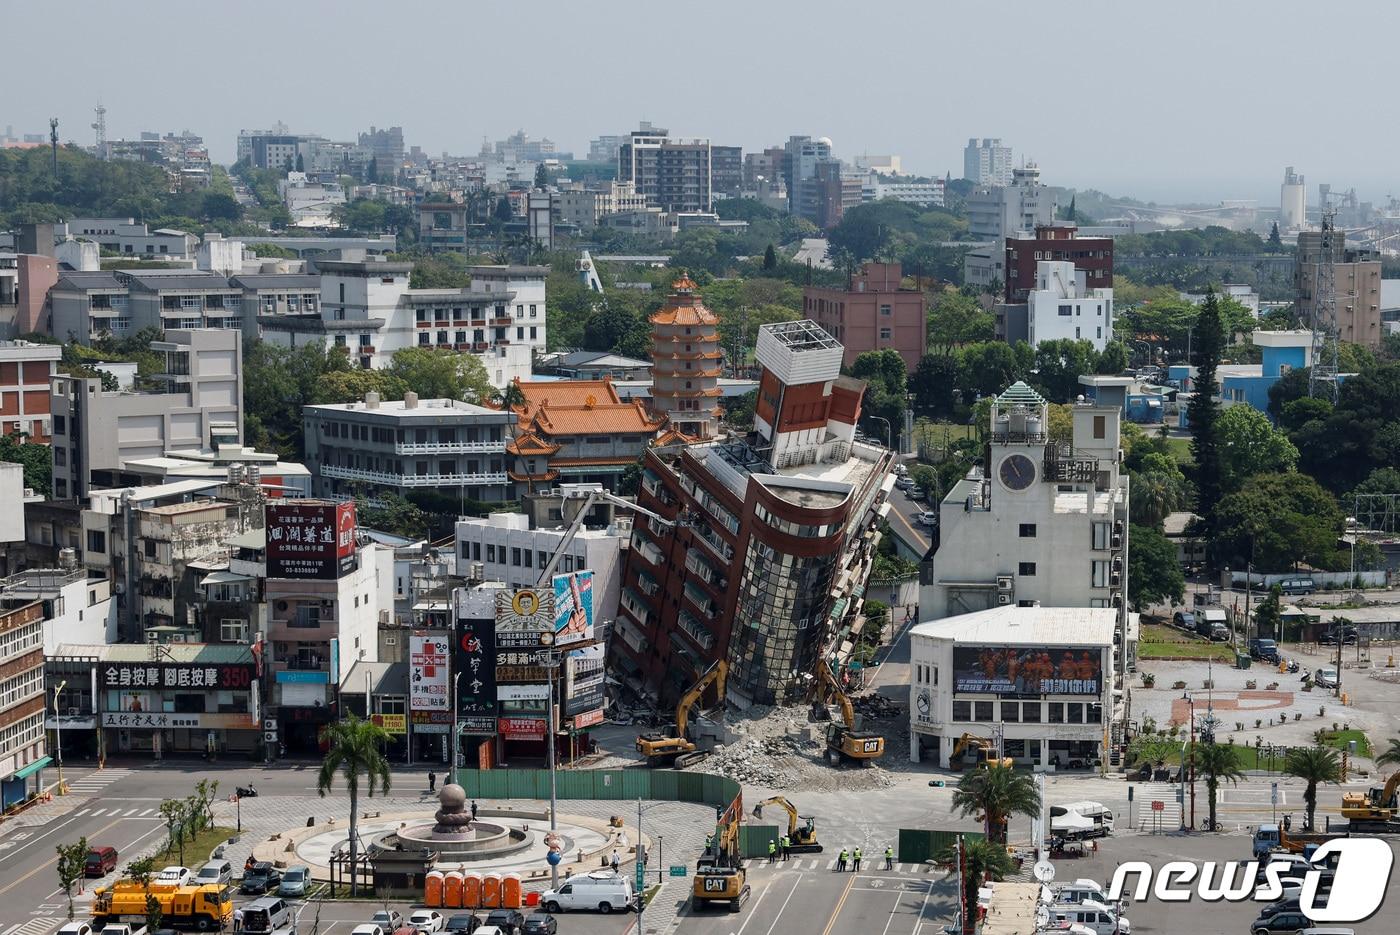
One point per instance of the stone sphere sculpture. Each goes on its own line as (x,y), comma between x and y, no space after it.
(452,817)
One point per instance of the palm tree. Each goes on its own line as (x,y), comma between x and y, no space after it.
(511,396)
(983,860)
(1216,762)
(1154,495)
(1313,765)
(355,748)
(1390,756)
(994,794)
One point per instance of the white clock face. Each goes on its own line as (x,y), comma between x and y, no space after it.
(923,701)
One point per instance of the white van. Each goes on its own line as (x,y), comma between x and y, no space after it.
(1074,893)
(1095,812)
(604,891)
(1094,916)
(266,915)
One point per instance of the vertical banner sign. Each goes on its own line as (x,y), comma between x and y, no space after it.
(476,685)
(573,608)
(583,688)
(427,672)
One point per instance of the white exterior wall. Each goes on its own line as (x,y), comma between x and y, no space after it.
(529,308)
(373,584)
(366,297)
(1059,286)
(84,613)
(12,493)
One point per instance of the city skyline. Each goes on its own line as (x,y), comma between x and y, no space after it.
(1128,76)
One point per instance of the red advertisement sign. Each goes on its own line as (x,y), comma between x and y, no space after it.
(588,719)
(521,728)
(310,539)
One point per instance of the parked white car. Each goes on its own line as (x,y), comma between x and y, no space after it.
(1326,677)
(426,920)
(175,876)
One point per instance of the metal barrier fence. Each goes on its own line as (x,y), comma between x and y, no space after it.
(607,784)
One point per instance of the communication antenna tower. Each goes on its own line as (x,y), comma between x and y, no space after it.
(100,125)
(53,144)
(1322,374)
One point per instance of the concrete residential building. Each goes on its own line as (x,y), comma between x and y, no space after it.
(95,431)
(1043,524)
(129,238)
(523,290)
(25,370)
(1040,678)
(516,547)
(381,446)
(1060,241)
(726,170)
(873,313)
(686,363)
(925,194)
(772,578)
(1356,285)
(309,202)
(987,162)
(673,175)
(84,306)
(577,431)
(995,212)
(75,607)
(270,294)
(1063,306)
(23,746)
(168,539)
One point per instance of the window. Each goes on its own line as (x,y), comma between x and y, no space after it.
(60,425)
(1076,334)
(1099,574)
(1030,712)
(520,334)
(1100,426)
(962,710)
(1056,713)
(233,631)
(1066,311)
(490,553)
(1027,530)
(885,334)
(1010,711)
(97,541)
(150,547)
(983,710)
(533,331)
(1100,535)
(886,311)
(515,557)
(60,456)
(1026,569)
(342,292)
(532,311)
(1076,713)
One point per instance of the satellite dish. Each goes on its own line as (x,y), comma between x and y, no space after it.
(1042,916)
(1044,871)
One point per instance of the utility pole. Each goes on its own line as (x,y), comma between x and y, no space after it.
(53,145)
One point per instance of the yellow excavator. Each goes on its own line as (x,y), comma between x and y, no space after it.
(720,875)
(843,741)
(984,749)
(802,838)
(674,746)
(1377,806)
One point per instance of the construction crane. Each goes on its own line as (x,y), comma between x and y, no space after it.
(591,495)
(674,746)
(843,741)
(719,873)
(1376,805)
(985,750)
(802,839)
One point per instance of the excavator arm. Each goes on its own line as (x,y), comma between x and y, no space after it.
(716,674)
(827,686)
(787,806)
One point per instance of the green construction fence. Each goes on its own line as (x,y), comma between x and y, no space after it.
(917,845)
(753,839)
(607,784)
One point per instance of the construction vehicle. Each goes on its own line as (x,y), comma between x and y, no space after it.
(843,741)
(983,749)
(802,839)
(674,746)
(720,875)
(206,907)
(1377,809)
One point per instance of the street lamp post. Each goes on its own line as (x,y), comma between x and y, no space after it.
(552,660)
(58,730)
(889,435)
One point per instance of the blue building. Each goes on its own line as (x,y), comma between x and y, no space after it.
(1248,384)
(1140,402)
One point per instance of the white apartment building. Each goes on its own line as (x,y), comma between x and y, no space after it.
(987,162)
(1039,679)
(995,212)
(1063,306)
(525,306)
(1044,523)
(77,609)
(309,203)
(927,193)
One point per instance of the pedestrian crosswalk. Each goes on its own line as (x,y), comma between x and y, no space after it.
(95,782)
(119,812)
(40,925)
(867,866)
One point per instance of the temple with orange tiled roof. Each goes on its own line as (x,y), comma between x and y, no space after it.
(686,364)
(576,431)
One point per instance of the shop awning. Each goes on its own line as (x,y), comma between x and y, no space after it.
(26,771)
(223,577)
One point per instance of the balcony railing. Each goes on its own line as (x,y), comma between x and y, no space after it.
(432,448)
(412,480)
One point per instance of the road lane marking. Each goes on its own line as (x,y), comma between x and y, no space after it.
(919,920)
(795,885)
(754,908)
(97,812)
(836,913)
(47,864)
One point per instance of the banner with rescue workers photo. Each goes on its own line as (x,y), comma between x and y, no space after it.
(1006,670)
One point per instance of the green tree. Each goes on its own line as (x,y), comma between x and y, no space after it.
(956,320)
(172,812)
(1275,242)
(221,206)
(1217,763)
(441,374)
(347,386)
(140,872)
(932,384)
(392,513)
(541,176)
(1276,521)
(71,863)
(770,259)
(1313,765)
(362,214)
(36,460)
(993,794)
(614,327)
(1299,412)
(1113,359)
(1059,364)
(982,862)
(1268,621)
(355,751)
(301,163)
(1248,444)
(1361,434)
(1203,411)
(738,410)
(1154,572)
(988,368)
(504,214)
(1390,756)
(1153,495)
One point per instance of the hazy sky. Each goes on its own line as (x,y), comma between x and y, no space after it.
(1168,100)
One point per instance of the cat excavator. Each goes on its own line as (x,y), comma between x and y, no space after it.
(802,839)
(1375,809)
(674,746)
(984,749)
(720,875)
(843,741)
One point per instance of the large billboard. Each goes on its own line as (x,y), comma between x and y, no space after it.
(310,539)
(427,671)
(218,676)
(1005,670)
(573,608)
(476,689)
(521,616)
(583,681)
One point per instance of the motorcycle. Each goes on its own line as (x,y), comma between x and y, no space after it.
(246,792)
(1293,666)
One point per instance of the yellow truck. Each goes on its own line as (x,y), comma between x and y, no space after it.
(207,908)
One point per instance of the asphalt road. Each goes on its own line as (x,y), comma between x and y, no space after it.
(901,520)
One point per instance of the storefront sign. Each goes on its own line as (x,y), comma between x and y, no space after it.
(477,724)
(236,676)
(393,723)
(588,719)
(427,673)
(522,692)
(521,728)
(308,677)
(583,681)
(521,674)
(1002,670)
(528,610)
(310,539)
(476,667)
(573,608)
(154,720)
(430,722)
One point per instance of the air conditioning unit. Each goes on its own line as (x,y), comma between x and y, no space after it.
(1003,599)
(383,618)
(1115,580)
(1117,564)
(1116,542)
(1005,582)
(1118,527)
